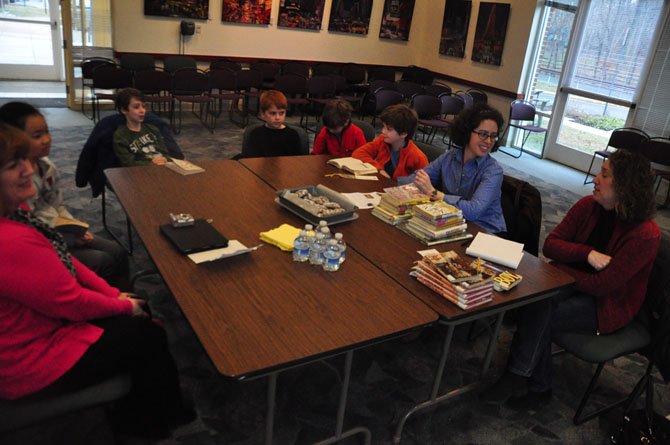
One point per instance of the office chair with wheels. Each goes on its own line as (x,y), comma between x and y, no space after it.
(621,139)
(523,113)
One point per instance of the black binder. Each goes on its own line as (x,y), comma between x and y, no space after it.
(196,238)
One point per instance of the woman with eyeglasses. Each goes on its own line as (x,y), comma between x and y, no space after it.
(469,177)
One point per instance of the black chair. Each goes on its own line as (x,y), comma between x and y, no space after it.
(437,89)
(451,106)
(249,83)
(640,336)
(294,88)
(137,62)
(225,63)
(298,68)
(320,89)
(109,79)
(432,152)
(429,110)
(478,96)
(384,98)
(156,85)
(17,414)
(173,63)
(368,103)
(621,139)
(87,68)
(381,73)
(523,113)
(657,150)
(418,75)
(521,205)
(409,89)
(270,72)
(468,100)
(223,86)
(356,77)
(325,69)
(192,86)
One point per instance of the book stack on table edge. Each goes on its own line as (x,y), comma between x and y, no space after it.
(396,203)
(465,283)
(436,222)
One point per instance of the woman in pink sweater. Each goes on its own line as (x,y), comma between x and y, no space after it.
(65,328)
(608,243)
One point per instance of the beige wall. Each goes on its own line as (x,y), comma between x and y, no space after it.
(135,32)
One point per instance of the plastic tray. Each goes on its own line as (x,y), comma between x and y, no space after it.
(319,190)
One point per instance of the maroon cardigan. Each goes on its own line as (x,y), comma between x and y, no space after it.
(620,288)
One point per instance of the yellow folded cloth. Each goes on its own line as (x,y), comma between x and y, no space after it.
(282,236)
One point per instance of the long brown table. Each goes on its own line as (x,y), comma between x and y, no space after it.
(259,313)
(394,252)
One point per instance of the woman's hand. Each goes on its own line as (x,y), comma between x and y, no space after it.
(598,260)
(84,240)
(159,160)
(384,174)
(138,307)
(422,181)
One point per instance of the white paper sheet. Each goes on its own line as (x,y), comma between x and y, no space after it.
(364,200)
(496,249)
(234,248)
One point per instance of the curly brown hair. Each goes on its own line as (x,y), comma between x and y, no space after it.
(469,119)
(633,186)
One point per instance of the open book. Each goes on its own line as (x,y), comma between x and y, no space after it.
(69,226)
(183,167)
(353,165)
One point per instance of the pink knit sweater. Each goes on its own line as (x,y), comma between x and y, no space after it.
(43,311)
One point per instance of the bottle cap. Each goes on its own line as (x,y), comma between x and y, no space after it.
(308,227)
(339,236)
(323,223)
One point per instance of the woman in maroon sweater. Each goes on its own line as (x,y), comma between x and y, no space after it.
(63,327)
(607,242)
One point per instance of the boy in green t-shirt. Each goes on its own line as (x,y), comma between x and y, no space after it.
(137,143)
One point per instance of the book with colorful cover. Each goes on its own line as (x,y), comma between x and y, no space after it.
(437,211)
(436,234)
(457,269)
(419,236)
(390,217)
(408,194)
(506,280)
(424,273)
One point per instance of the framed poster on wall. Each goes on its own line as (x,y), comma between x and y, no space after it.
(352,16)
(490,33)
(396,19)
(301,14)
(189,9)
(255,12)
(455,26)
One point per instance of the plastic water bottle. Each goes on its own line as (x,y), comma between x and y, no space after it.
(326,233)
(316,250)
(332,255)
(309,233)
(342,245)
(301,248)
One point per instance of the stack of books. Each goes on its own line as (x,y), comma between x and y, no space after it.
(467,284)
(436,222)
(396,203)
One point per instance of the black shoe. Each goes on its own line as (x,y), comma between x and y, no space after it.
(509,385)
(531,401)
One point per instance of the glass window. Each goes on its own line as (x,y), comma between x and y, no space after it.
(613,52)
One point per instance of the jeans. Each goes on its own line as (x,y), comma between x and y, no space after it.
(530,354)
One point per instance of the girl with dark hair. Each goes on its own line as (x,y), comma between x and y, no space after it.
(607,242)
(106,258)
(469,177)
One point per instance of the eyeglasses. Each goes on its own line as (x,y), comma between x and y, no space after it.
(483,135)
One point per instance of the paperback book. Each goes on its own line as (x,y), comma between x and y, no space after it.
(183,167)
(353,165)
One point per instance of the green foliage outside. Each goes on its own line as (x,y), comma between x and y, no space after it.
(607,123)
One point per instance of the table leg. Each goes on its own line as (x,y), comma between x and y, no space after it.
(492,344)
(270,415)
(339,434)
